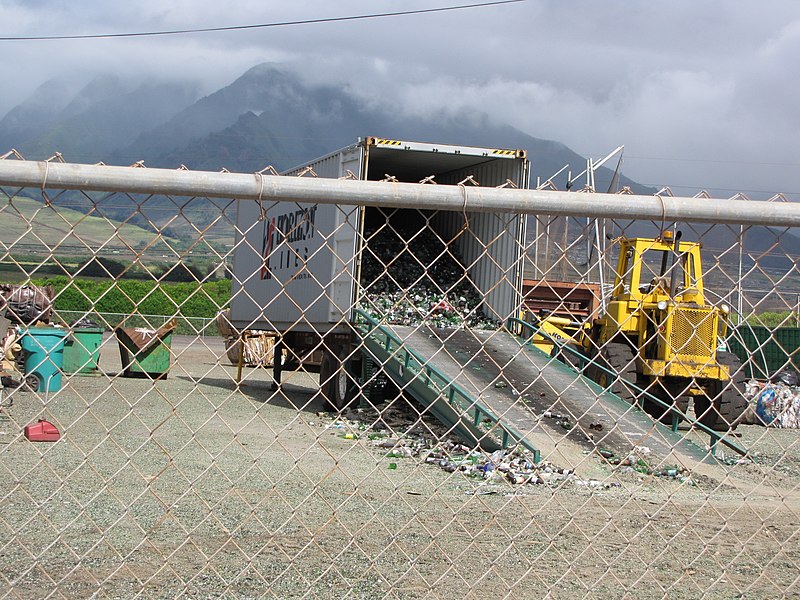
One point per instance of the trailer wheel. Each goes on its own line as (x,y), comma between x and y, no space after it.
(30,383)
(337,381)
(727,404)
(617,357)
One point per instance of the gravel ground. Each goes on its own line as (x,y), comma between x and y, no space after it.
(195,487)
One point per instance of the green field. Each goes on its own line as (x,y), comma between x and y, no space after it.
(30,222)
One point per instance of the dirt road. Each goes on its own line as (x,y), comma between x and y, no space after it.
(197,487)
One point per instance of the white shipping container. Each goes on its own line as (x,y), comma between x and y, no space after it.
(296,266)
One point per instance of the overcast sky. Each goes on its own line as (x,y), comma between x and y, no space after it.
(702,94)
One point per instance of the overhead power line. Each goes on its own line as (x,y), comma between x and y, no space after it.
(95,36)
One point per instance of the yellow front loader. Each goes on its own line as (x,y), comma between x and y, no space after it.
(659,333)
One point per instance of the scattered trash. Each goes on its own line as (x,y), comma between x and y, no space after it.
(400,433)
(481,491)
(597,484)
(551,415)
(636,463)
(765,404)
(84,323)
(10,351)
(736,460)
(562,421)
(26,304)
(786,376)
(776,404)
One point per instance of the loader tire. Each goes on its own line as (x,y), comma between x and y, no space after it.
(618,358)
(727,404)
(671,393)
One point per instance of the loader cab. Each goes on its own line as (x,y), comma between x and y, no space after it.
(650,270)
(659,333)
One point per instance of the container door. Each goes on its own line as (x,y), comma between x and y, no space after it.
(491,244)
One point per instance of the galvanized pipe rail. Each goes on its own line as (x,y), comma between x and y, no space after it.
(271,188)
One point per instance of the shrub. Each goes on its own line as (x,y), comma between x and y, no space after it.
(143,297)
(774,320)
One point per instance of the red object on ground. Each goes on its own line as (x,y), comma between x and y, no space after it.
(441,305)
(43,431)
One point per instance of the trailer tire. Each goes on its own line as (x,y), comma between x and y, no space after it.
(727,405)
(337,381)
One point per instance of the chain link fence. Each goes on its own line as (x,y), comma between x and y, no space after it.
(403,401)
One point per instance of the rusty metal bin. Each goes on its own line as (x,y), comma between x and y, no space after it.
(145,352)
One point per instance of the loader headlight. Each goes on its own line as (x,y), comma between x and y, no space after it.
(662,305)
(726,310)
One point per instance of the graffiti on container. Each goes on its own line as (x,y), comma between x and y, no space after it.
(283,240)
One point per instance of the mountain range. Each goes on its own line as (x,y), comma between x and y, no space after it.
(267,116)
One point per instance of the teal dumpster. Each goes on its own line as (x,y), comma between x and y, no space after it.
(145,352)
(44,356)
(82,350)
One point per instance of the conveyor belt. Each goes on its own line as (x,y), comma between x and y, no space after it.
(495,391)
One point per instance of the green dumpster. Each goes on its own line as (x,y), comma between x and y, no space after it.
(145,352)
(764,351)
(82,351)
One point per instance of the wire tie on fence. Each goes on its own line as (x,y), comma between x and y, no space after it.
(547,185)
(464,207)
(44,184)
(663,211)
(270,169)
(260,174)
(261,208)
